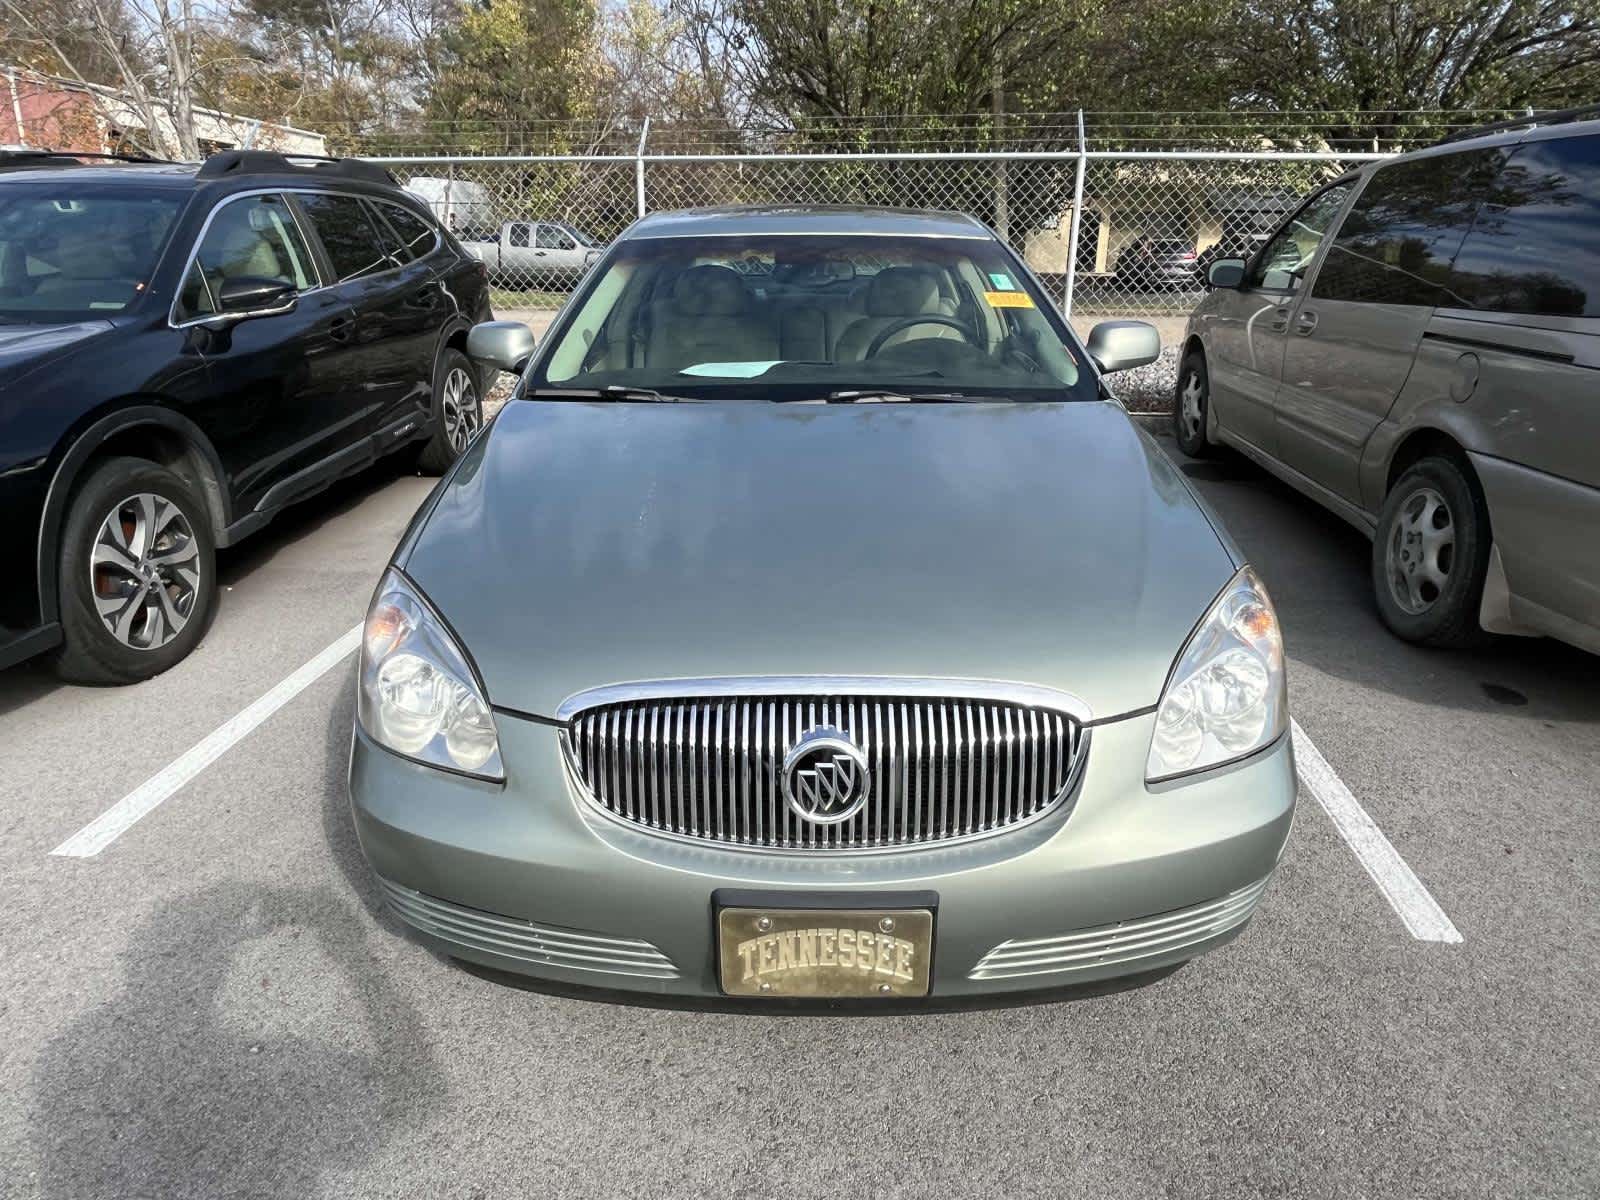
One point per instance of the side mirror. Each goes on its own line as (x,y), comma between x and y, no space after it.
(504,345)
(1225,273)
(248,296)
(1119,345)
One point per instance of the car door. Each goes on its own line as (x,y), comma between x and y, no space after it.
(1516,349)
(408,312)
(517,253)
(1247,328)
(559,256)
(1354,332)
(395,304)
(280,412)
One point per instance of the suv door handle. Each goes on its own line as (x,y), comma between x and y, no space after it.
(1305,323)
(1280,320)
(341,327)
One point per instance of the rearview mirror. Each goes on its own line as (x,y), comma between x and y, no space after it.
(1225,273)
(247,296)
(505,345)
(1119,345)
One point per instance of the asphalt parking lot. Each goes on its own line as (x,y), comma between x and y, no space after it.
(216,1004)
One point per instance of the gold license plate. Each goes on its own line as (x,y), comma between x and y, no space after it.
(820,952)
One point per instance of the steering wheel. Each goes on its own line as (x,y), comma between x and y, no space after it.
(900,323)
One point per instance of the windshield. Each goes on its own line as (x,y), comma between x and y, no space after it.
(808,317)
(75,251)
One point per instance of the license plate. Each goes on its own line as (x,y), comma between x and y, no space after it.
(820,952)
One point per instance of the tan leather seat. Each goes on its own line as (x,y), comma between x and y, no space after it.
(709,317)
(897,293)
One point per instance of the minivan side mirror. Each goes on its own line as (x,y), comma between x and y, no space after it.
(1119,345)
(247,296)
(1225,273)
(504,345)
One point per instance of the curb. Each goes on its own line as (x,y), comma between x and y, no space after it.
(1153,423)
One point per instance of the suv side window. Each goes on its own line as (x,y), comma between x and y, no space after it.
(1400,235)
(250,237)
(414,232)
(1535,247)
(350,239)
(552,237)
(1284,261)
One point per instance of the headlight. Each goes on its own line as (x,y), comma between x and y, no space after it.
(419,696)
(1226,696)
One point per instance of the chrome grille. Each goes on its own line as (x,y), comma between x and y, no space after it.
(707,766)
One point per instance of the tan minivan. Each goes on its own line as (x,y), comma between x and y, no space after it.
(1418,349)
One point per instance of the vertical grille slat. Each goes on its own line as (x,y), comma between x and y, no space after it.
(710,767)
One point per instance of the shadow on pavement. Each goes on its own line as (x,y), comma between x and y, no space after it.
(178,1088)
(1318,569)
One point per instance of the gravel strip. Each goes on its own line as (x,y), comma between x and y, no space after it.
(1149,388)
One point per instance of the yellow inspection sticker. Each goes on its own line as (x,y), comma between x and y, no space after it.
(1008,299)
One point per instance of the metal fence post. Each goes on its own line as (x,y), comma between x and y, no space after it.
(1075,226)
(638,166)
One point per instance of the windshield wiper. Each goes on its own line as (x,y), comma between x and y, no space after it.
(883,396)
(615,391)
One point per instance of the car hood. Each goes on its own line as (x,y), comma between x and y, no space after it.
(582,544)
(24,348)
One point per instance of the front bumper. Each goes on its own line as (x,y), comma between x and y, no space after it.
(528,877)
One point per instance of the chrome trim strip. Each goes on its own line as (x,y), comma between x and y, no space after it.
(1028,695)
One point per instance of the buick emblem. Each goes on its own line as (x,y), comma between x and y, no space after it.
(825,777)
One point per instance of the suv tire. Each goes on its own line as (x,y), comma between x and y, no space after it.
(1430,554)
(136,571)
(457,412)
(1191,406)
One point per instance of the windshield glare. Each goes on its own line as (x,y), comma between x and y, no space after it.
(799,318)
(77,252)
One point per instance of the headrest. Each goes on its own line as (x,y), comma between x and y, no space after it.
(710,290)
(902,292)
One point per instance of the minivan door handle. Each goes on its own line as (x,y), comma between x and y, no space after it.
(1305,322)
(1280,320)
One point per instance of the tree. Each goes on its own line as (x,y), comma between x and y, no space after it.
(1384,64)
(146,52)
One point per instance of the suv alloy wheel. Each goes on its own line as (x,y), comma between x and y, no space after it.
(457,412)
(137,573)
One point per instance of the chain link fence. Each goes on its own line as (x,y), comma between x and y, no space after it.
(1110,233)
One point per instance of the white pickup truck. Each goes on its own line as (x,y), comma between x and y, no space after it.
(533,254)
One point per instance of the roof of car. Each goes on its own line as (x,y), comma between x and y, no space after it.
(837,220)
(70,170)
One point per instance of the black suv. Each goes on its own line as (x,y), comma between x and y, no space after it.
(184,350)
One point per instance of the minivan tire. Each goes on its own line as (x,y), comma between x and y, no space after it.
(1189,427)
(457,412)
(91,652)
(1431,553)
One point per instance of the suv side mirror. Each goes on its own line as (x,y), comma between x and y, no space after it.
(504,345)
(247,296)
(1225,273)
(1119,345)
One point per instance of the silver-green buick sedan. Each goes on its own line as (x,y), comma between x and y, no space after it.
(813,626)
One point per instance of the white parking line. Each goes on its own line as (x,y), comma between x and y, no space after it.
(1399,884)
(121,816)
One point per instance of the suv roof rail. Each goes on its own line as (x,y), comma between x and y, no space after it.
(271,162)
(11,156)
(1530,120)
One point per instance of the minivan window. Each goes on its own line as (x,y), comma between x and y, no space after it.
(1399,237)
(348,236)
(76,251)
(1535,247)
(253,237)
(1284,260)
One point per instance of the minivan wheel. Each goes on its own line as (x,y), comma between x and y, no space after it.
(457,412)
(1190,406)
(137,574)
(1430,555)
